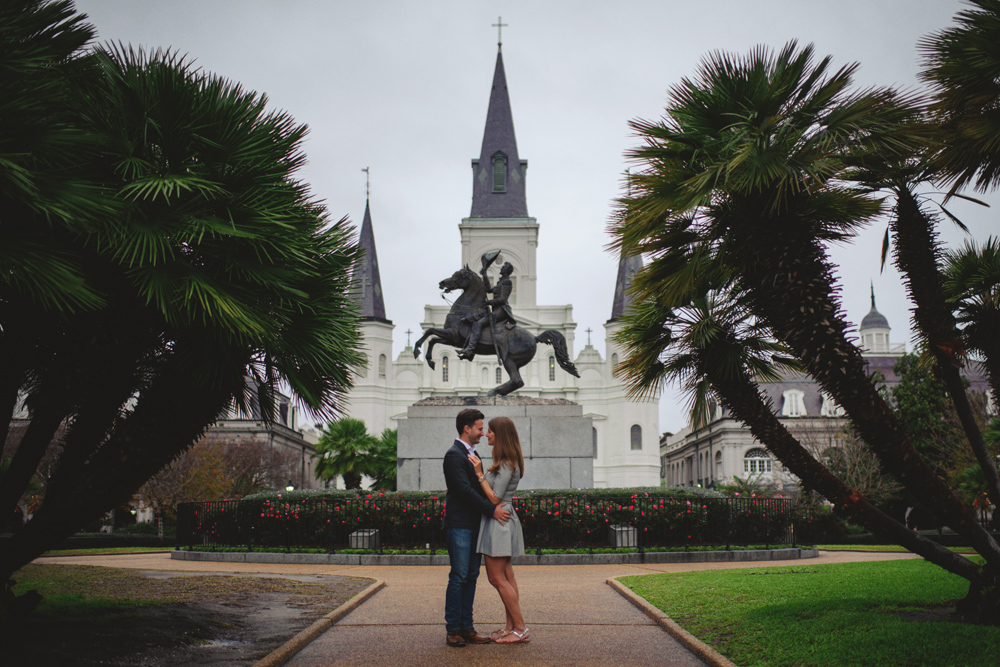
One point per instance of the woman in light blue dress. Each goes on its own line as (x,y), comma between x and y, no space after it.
(499,542)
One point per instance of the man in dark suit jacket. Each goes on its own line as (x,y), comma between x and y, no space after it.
(465,504)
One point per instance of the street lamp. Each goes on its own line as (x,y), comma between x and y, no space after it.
(289,486)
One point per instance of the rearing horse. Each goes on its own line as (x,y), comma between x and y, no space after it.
(519,343)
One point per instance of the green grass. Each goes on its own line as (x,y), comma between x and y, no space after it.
(98,593)
(825,615)
(893,548)
(92,591)
(105,551)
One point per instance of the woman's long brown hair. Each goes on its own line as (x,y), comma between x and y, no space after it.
(506,445)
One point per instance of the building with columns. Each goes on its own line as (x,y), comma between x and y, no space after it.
(625,432)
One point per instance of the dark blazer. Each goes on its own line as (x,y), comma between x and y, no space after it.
(466,500)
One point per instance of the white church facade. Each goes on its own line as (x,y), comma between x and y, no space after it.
(625,432)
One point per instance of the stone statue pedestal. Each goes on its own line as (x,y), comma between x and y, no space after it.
(556,439)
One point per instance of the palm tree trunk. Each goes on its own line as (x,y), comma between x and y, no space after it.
(45,421)
(916,252)
(744,402)
(171,414)
(10,387)
(791,287)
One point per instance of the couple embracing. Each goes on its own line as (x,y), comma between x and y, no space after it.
(480,521)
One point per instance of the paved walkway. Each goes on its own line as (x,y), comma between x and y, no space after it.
(575,617)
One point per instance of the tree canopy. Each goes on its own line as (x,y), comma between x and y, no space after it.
(346,449)
(157,251)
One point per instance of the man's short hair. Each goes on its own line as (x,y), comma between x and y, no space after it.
(467,417)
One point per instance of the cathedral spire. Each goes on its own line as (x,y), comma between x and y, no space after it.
(498,174)
(627,268)
(366,282)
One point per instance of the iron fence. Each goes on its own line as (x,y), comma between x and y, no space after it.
(397,521)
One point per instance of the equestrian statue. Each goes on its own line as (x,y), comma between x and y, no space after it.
(481,322)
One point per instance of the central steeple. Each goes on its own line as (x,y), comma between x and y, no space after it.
(498,174)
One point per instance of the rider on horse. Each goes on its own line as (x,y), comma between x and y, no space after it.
(501,309)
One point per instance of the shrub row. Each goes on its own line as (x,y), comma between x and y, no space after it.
(587,519)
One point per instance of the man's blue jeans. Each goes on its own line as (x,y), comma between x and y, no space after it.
(461,591)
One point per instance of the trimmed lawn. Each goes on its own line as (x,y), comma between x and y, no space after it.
(889,548)
(889,614)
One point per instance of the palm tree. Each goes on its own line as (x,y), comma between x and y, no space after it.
(344,450)
(920,259)
(383,461)
(695,329)
(750,167)
(972,282)
(962,65)
(215,266)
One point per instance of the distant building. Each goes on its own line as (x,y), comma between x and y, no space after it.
(285,439)
(625,432)
(725,448)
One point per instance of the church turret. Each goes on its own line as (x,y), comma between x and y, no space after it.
(874,332)
(498,174)
(367,283)
(377,374)
(627,268)
(499,219)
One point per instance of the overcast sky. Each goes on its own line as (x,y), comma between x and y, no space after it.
(402,87)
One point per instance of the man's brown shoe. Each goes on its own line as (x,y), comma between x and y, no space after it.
(471,637)
(455,641)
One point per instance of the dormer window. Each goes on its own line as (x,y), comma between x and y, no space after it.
(830,407)
(499,172)
(793,404)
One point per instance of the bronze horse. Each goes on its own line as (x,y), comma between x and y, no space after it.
(519,344)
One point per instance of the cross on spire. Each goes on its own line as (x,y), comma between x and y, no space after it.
(499,26)
(367,182)
(588,335)
(408,332)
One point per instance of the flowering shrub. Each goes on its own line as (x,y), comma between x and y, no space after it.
(550,519)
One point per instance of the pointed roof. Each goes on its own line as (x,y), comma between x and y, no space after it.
(498,137)
(366,281)
(627,268)
(874,319)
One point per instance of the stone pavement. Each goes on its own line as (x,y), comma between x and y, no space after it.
(575,617)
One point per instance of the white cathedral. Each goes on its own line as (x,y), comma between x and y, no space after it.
(625,432)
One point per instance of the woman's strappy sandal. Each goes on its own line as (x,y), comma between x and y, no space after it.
(497,634)
(522,637)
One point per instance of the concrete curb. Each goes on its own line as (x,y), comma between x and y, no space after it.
(529,559)
(286,651)
(708,654)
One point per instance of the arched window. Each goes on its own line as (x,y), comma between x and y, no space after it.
(593,430)
(363,368)
(614,361)
(793,404)
(485,375)
(552,369)
(444,369)
(381,365)
(499,376)
(499,172)
(636,438)
(718,465)
(756,460)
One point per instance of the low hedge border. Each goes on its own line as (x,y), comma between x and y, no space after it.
(732,556)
